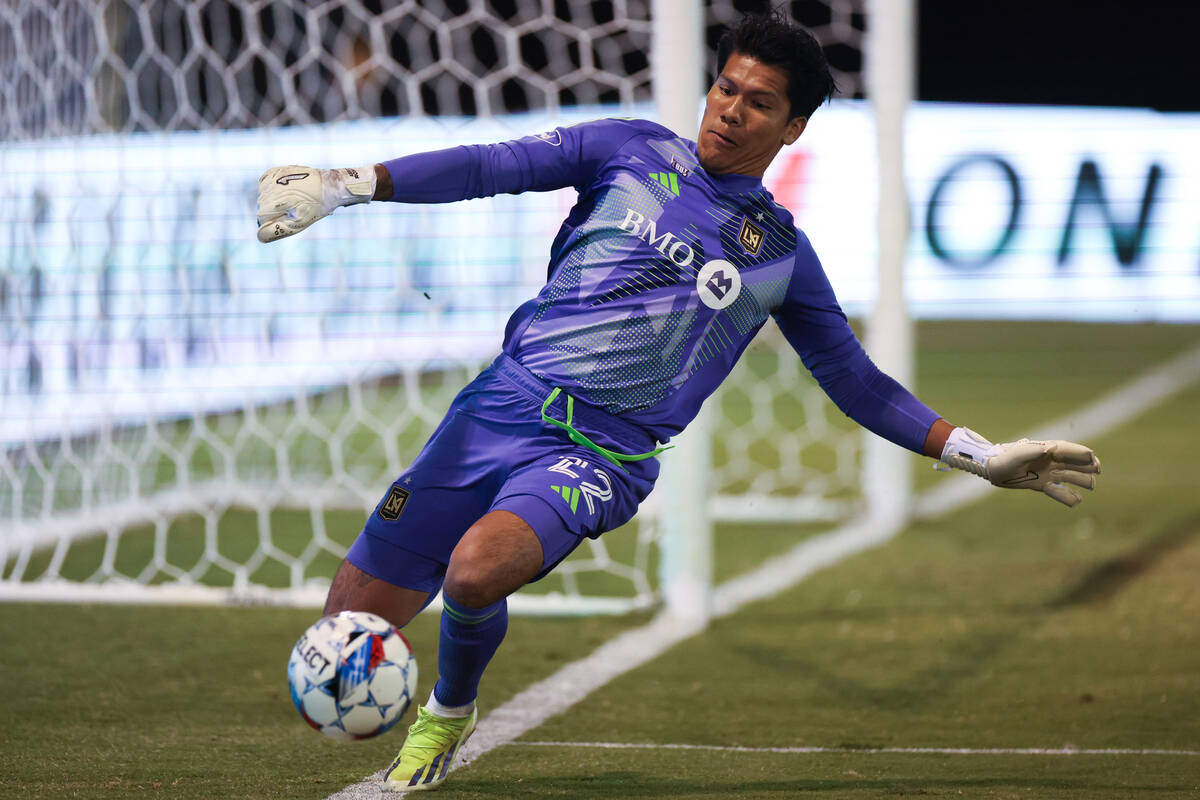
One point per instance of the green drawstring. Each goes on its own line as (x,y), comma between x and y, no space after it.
(579,438)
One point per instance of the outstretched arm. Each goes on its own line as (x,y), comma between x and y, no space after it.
(814,324)
(883,406)
(1045,466)
(292,198)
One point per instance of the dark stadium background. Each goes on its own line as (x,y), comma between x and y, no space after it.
(1061,52)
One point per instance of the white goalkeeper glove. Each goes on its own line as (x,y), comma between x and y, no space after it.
(1043,466)
(292,198)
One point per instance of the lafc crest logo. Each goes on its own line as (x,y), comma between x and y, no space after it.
(751,237)
(394,503)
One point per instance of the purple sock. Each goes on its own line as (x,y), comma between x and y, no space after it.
(469,639)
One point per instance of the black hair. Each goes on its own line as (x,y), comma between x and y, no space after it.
(776,41)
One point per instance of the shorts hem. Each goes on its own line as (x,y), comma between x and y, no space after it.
(386,561)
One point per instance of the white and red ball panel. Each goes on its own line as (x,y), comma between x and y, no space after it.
(352,675)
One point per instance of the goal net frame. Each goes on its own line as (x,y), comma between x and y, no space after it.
(676,523)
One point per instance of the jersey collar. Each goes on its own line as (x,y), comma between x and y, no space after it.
(730,181)
(733,182)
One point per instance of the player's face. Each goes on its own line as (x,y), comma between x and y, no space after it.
(747,118)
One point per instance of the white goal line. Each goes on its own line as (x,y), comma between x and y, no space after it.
(950,751)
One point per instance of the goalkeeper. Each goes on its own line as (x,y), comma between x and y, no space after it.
(667,266)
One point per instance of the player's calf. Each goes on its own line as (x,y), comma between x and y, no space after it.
(355,590)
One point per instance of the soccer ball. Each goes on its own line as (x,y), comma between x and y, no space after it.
(352,675)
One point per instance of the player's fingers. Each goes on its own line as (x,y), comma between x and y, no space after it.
(1062,494)
(294,221)
(1071,453)
(1092,467)
(267,181)
(280,202)
(274,173)
(1015,459)
(278,228)
(270,203)
(270,231)
(1082,479)
(290,217)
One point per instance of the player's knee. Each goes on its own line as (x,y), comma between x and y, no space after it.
(472,584)
(478,576)
(472,591)
(497,556)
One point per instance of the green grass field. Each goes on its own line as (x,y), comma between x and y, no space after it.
(1012,623)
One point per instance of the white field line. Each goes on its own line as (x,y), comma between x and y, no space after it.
(949,751)
(546,698)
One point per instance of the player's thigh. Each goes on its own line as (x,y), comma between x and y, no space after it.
(571,494)
(407,540)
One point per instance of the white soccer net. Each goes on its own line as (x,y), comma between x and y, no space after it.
(186,415)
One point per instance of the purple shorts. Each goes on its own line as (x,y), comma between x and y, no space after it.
(493,451)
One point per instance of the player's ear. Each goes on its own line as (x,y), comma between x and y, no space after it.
(794,128)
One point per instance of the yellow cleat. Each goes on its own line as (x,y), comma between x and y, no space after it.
(424,760)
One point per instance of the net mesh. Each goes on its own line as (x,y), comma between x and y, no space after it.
(256,481)
(88,66)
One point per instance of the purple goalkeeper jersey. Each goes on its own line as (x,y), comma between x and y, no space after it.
(661,275)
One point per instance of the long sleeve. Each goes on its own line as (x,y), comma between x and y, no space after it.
(815,326)
(567,156)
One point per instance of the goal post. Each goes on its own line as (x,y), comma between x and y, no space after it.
(890,65)
(690,506)
(685,522)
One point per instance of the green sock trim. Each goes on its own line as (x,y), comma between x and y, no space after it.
(464,619)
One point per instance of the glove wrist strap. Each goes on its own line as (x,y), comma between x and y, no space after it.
(348,186)
(967,450)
